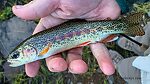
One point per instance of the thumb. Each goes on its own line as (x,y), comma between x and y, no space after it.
(35,9)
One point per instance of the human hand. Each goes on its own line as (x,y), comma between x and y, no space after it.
(54,12)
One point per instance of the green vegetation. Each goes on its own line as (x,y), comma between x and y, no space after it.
(5,6)
(141,7)
(5,14)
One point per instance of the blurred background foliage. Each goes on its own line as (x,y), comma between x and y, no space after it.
(5,8)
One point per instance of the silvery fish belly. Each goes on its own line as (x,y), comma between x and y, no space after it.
(67,36)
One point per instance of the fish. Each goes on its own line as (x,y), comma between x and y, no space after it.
(74,34)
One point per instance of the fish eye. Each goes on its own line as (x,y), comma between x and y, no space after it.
(15,55)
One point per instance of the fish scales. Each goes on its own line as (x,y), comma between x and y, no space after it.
(40,41)
(69,35)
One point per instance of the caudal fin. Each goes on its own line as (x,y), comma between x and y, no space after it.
(136,23)
(135,30)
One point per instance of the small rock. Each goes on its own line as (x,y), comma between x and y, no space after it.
(12,32)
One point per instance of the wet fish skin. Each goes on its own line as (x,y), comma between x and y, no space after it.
(73,34)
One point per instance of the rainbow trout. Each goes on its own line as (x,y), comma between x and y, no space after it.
(74,34)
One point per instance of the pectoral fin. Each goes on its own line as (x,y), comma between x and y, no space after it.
(45,50)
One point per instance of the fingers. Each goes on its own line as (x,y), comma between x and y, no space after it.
(56,63)
(76,64)
(32,69)
(102,55)
(35,9)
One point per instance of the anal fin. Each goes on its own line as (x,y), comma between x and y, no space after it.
(109,38)
(84,44)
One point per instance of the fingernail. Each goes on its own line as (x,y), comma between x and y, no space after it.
(107,69)
(70,70)
(18,6)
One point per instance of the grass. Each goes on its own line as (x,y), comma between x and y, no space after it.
(142,7)
(5,14)
(5,8)
(46,77)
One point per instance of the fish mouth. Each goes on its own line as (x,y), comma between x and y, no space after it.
(14,63)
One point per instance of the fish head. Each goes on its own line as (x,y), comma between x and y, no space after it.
(22,55)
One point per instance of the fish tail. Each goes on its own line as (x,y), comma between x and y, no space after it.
(135,30)
(136,23)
